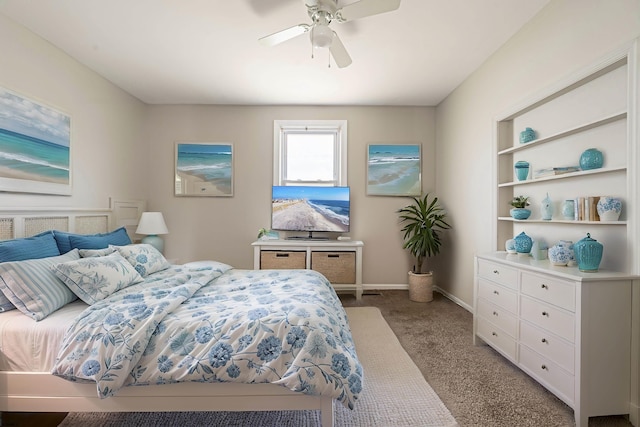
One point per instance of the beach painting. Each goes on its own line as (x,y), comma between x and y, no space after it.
(35,143)
(204,169)
(394,170)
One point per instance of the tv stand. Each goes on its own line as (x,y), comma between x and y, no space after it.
(309,237)
(339,261)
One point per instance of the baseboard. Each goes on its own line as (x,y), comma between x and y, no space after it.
(385,287)
(454,299)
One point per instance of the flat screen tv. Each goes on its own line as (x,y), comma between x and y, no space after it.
(310,209)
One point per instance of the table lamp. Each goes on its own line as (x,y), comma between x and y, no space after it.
(152,224)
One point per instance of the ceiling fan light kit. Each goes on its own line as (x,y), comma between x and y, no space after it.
(322,13)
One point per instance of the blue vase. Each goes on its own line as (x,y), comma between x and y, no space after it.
(527,135)
(522,170)
(547,208)
(523,243)
(568,209)
(591,159)
(588,254)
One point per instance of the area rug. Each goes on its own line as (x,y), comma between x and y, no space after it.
(395,393)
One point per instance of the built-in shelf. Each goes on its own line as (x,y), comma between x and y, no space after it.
(582,128)
(561,221)
(564,176)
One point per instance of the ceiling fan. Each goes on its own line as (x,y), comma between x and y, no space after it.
(322,13)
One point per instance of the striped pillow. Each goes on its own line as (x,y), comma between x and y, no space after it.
(33,287)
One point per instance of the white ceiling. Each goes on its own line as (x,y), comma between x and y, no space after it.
(207,51)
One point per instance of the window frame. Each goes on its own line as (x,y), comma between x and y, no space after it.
(336,127)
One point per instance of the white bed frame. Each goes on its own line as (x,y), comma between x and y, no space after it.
(43,392)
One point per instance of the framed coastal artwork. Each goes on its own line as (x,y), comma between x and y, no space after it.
(394,170)
(35,146)
(204,169)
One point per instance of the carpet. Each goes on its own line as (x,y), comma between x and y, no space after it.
(395,393)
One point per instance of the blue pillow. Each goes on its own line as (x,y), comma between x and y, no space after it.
(88,242)
(40,246)
(117,237)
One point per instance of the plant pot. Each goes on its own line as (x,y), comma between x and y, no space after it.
(421,287)
(520,213)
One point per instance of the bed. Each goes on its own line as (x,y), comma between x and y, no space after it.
(282,334)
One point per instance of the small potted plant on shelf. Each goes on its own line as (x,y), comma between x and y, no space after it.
(519,210)
(423,220)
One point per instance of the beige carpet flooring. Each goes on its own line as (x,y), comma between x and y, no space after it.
(479,386)
(395,393)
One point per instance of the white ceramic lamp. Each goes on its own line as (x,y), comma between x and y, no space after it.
(152,224)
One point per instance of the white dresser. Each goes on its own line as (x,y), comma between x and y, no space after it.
(567,329)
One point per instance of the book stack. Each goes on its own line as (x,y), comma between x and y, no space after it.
(541,173)
(585,208)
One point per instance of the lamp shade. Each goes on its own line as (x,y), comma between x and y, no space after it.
(152,223)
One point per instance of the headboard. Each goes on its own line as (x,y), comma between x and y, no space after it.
(26,222)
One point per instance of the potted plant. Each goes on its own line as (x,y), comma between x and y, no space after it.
(423,220)
(519,210)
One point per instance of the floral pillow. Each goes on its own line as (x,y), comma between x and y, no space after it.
(95,278)
(88,253)
(145,258)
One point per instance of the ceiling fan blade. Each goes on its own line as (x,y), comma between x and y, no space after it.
(339,53)
(364,8)
(284,35)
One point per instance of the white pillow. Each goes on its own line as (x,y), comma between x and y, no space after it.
(88,253)
(95,278)
(145,258)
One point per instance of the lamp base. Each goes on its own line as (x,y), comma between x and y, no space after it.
(155,241)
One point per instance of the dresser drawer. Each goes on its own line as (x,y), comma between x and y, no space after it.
(548,345)
(548,317)
(498,295)
(497,338)
(552,376)
(551,290)
(498,316)
(498,273)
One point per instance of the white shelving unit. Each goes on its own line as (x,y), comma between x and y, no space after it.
(522,305)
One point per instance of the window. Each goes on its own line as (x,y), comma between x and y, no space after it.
(310,152)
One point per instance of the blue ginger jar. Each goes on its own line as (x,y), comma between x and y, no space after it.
(561,253)
(523,243)
(522,170)
(527,135)
(588,253)
(591,159)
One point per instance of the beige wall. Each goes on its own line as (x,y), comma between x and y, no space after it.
(564,37)
(106,123)
(223,228)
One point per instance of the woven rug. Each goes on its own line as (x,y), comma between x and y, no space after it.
(395,393)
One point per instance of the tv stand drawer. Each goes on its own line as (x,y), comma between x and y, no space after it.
(282,260)
(338,267)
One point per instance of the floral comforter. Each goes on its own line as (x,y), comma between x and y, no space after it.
(217,324)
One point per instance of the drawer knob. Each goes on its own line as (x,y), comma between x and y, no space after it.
(544,313)
(543,286)
(496,292)
(496,272)
(494,334)
(544,340)
(544,367)
(495,313)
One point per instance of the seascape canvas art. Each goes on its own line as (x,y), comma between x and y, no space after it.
(394,170)
(35,144)
(204,169)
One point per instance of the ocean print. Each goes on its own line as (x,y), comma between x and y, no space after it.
(204,169)
(306,208)
(394,170)
(34,142)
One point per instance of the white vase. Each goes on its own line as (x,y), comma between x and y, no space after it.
(609,208)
